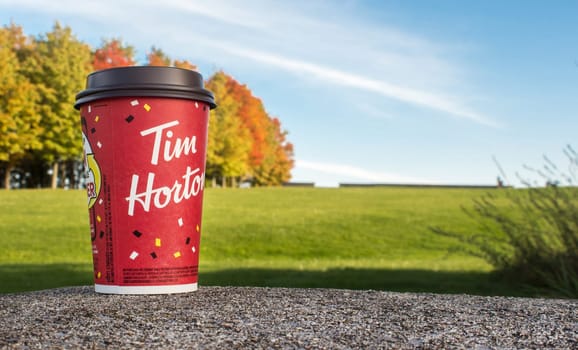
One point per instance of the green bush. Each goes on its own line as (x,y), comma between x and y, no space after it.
(530,235)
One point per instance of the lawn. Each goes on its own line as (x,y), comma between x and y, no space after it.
(360,238)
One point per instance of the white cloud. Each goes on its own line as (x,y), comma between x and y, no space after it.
(348,172)
(343,52)
(233,13)
(334,76)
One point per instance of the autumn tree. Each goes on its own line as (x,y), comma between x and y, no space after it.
(157,57)
(270,157)
(229,142)
(113,53)
(184,64)
(19,122)
(280,160)
(58,67)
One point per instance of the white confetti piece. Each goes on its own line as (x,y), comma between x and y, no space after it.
(196,104)
(180,222)
(89,108)
(98,144)
(193,249)
(133,255)
(134,103)
(100,201)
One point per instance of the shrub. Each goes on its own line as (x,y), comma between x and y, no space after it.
(530,235)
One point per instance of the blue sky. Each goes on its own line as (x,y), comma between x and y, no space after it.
(371,91)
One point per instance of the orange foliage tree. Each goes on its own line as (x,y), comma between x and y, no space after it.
(112,53)
(271,155)
(157,57)
(184,64)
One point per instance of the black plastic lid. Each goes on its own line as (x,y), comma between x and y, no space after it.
(151,81)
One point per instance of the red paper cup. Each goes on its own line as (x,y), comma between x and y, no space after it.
(145,133)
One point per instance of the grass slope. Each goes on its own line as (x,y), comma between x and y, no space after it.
(363,238)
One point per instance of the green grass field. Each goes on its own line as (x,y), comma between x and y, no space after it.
(359,238)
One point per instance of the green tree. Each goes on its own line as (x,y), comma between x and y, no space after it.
(229,142)
(19,122)
(58,68)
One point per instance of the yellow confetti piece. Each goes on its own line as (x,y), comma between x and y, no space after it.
(177,254)
(98,274)
(198,228)
(98,218)
(147,107)
(157,242)
(96,119)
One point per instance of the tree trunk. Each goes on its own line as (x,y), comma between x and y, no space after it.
(214,182)
(7,176)
(233,182)
(54,175)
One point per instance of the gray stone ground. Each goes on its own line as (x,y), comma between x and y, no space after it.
(269,318)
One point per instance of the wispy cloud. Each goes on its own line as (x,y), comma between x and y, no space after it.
(344,52)
(229,14)
(361,174)
(334,76)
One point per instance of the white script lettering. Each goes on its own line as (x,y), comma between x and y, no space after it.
(181,147)
(192,185)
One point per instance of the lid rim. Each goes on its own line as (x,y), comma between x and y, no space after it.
(150,81)
(188,95)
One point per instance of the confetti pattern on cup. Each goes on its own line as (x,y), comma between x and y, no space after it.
(154,246)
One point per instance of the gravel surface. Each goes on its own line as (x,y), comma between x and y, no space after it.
(255,318)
